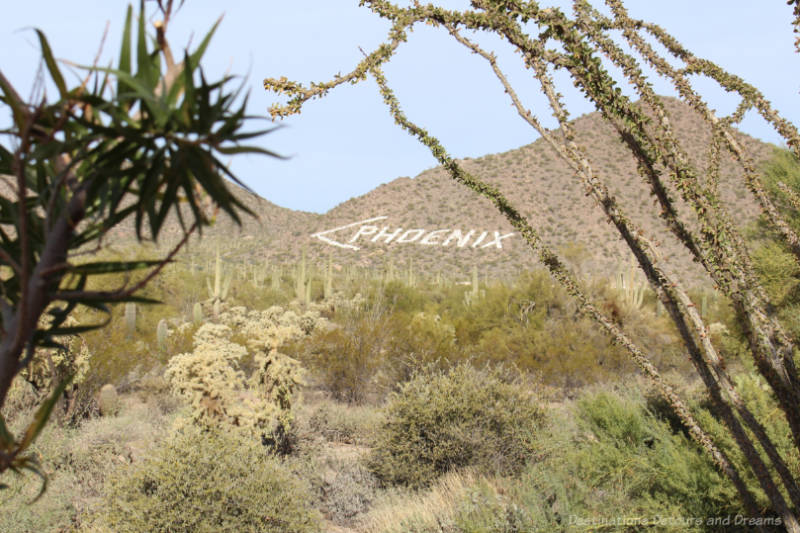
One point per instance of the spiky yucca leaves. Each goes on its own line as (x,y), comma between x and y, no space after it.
(139,143)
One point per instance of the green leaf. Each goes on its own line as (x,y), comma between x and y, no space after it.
(75,330)
(133,83)
(197,55)
(12,100)
(144,71)
(42,414)
(125,52)
(232,150)
(52,67)
(112,267)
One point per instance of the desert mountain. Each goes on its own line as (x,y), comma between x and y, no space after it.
(441,226)
(540,185)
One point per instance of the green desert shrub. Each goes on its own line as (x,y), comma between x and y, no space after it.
(621,460)
(344,423)
(345,359)
(608,464)
(442,420)
(77,461)
(202,481)
(761,401)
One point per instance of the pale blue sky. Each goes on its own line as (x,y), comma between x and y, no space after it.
(347,144)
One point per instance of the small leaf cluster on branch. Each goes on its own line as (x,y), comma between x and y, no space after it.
(140,142)
(583,44)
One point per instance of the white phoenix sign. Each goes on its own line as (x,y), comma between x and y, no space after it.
(365,231)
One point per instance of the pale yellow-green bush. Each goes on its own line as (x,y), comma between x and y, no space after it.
(442,420)
(275,382)
(207,482)
(48,368)
(268,330)
(211,378)
(77,461)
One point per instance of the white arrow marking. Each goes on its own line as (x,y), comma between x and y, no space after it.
(321,235)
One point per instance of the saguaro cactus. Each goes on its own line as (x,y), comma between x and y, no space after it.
(301,282)
(410,279)
(472,296)
(218,293)
(161,334)
(130,318)
(328,286)
(275,282)
(630,287)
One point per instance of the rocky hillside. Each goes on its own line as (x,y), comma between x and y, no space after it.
(542,187)
(441,226)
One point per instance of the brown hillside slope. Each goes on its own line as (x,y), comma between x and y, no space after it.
(537,182)
(542,187)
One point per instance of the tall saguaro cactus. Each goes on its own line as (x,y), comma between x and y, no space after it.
(689,203)
(218,293)
(328,286)
(130,318)
(472,296)
(631,289)
(302,284)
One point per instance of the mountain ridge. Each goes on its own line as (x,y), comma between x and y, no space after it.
(540,185)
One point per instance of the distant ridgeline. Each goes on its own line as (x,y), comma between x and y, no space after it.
(353,236)
(439,226)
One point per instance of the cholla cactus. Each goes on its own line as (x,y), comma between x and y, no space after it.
(212,381)
(209,378)
(50,367)
(277,379)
